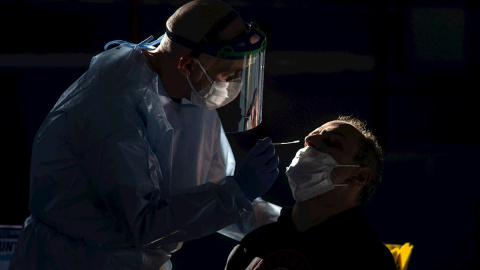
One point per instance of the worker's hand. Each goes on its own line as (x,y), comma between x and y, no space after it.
(258,170)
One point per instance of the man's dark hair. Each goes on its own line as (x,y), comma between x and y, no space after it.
(370,154)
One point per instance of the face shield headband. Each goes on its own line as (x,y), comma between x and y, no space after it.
(252,42)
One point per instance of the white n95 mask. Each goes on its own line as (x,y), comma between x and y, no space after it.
(309,173)
(216,95)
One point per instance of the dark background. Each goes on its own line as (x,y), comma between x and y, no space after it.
(410,68)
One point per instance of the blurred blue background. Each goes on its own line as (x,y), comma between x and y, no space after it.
(410,68)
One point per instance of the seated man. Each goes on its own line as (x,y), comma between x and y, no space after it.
(331,179)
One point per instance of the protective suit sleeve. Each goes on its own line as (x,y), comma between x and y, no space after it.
(128,180)
(263,213)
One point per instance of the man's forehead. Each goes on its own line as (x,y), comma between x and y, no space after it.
(335,124)
(229,64)
(342,127)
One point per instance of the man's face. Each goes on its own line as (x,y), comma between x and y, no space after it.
(223,70)
(336,138)
(220,70)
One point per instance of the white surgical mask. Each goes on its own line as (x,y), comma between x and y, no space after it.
(216,95)
(309,173)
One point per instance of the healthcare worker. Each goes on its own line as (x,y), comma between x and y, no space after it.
(133,159)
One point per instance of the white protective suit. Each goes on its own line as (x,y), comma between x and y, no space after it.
(121,175)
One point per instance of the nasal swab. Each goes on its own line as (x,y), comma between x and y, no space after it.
(297,141)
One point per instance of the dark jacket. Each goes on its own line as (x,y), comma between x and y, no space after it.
(345,241)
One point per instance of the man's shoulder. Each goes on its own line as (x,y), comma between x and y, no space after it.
(263,232)
(112,55)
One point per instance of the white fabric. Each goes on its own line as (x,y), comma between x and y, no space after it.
(309,173)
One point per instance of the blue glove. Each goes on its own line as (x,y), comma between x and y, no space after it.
(258,170)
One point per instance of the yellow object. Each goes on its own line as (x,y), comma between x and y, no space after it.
(401,254)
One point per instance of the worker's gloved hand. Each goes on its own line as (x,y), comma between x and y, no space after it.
(258,170)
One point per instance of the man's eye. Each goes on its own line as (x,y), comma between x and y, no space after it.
(233,75)
(331,143)
(226,77)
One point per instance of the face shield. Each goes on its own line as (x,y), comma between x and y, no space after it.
(245,111)
(244,58)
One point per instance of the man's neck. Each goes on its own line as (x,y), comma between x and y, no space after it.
(166,71)
(310,213)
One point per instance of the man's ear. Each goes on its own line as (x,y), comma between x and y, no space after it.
(185,65)
(360,177)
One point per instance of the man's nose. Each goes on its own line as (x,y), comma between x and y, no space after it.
(314,140)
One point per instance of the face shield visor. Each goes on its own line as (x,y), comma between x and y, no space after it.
(244,58)
(245,111)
